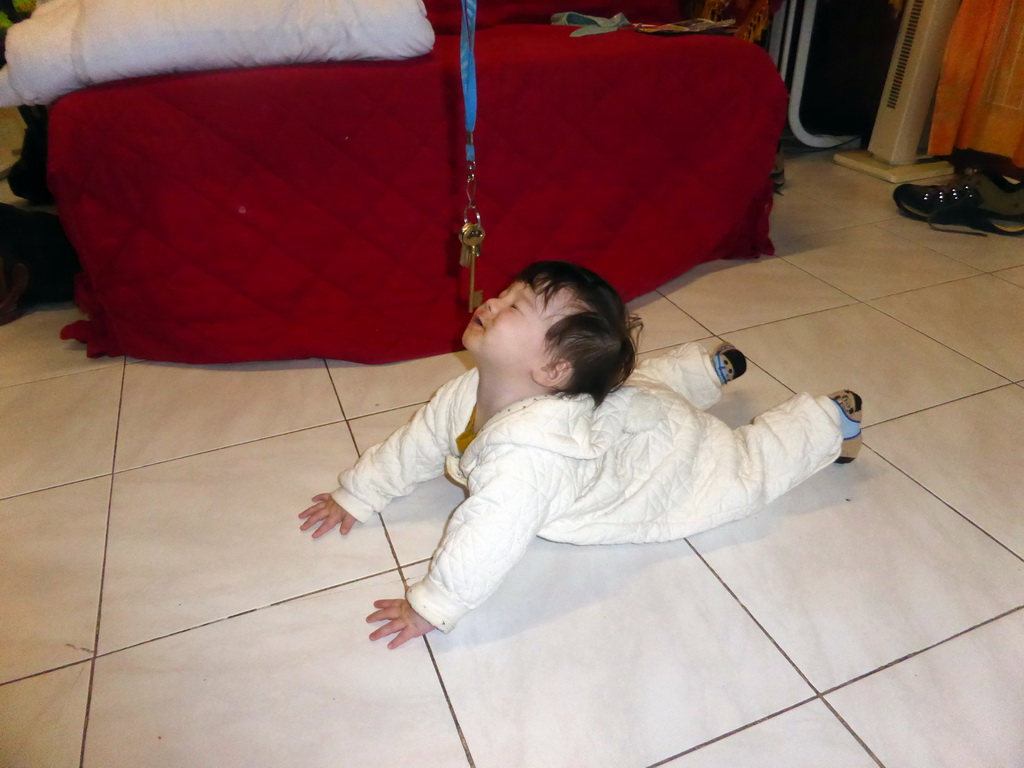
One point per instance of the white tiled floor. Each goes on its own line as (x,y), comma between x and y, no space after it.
(159,607)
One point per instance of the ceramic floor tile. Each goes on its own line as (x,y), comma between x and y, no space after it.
(33,350)
(859,566)
(748,396)
(861,197)
(959,704)
(987,253)
(665,324)
(796,215)
(965,453)
(209,536)
(867,262)
(743,398)
(298,684)
(726,295)
(1015,276)
(416,522)
(41,719)
(642,644)
(376,428)
(809,736)
(365,389)
(980,317)
(58,430)
(51,561)
(217,405)
(894,368)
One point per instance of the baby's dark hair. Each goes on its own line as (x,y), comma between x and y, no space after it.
(598,340)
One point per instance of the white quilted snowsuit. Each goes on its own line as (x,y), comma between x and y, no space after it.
(647,465)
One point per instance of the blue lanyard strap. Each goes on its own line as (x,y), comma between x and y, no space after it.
(467,65)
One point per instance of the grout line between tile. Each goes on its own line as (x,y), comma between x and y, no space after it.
(334,387)
(46,671)
(853,733)
(417,562)
(348,423)
(770,375)
(401,571)
(430,652)
(752,618)
(103,572)
(936,284)
(655,350)
(197,626)
(980,273)
(698,322)
(284,601)
(822,694)
(56,376)
(869,305)
(912,654)
(391,546)
(389,409)
(793,241)
(733,732)
(998,273)
(891,419)
(88,706)
(851,303)
(1005,378)
(904,238)
(945,503)
(52,487)
(226,447)
(451,707)
(855,301)
(823,280)
(117,433)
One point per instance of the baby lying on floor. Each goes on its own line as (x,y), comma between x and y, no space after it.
(555,435)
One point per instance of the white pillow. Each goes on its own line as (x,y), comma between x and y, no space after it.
(69,44)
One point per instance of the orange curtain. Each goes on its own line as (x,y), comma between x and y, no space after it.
(980,101)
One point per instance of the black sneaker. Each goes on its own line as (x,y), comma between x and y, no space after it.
(985,202)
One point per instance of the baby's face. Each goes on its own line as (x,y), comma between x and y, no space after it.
(509,331)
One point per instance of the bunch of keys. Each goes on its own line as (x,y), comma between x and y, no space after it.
(472,236)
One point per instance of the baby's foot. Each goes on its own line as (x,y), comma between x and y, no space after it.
(849,404)
(729,363)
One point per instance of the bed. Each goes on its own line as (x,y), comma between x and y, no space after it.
(312,209)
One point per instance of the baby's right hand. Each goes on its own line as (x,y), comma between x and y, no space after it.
(328,513)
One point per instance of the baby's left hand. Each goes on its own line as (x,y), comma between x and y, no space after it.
(401,618)
(328,513)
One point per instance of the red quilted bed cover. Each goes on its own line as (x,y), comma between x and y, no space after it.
(312,211)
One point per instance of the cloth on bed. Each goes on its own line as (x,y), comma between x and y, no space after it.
(216,223)
(70,44)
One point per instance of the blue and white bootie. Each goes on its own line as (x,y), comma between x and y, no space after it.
(729,363)
(849,404)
